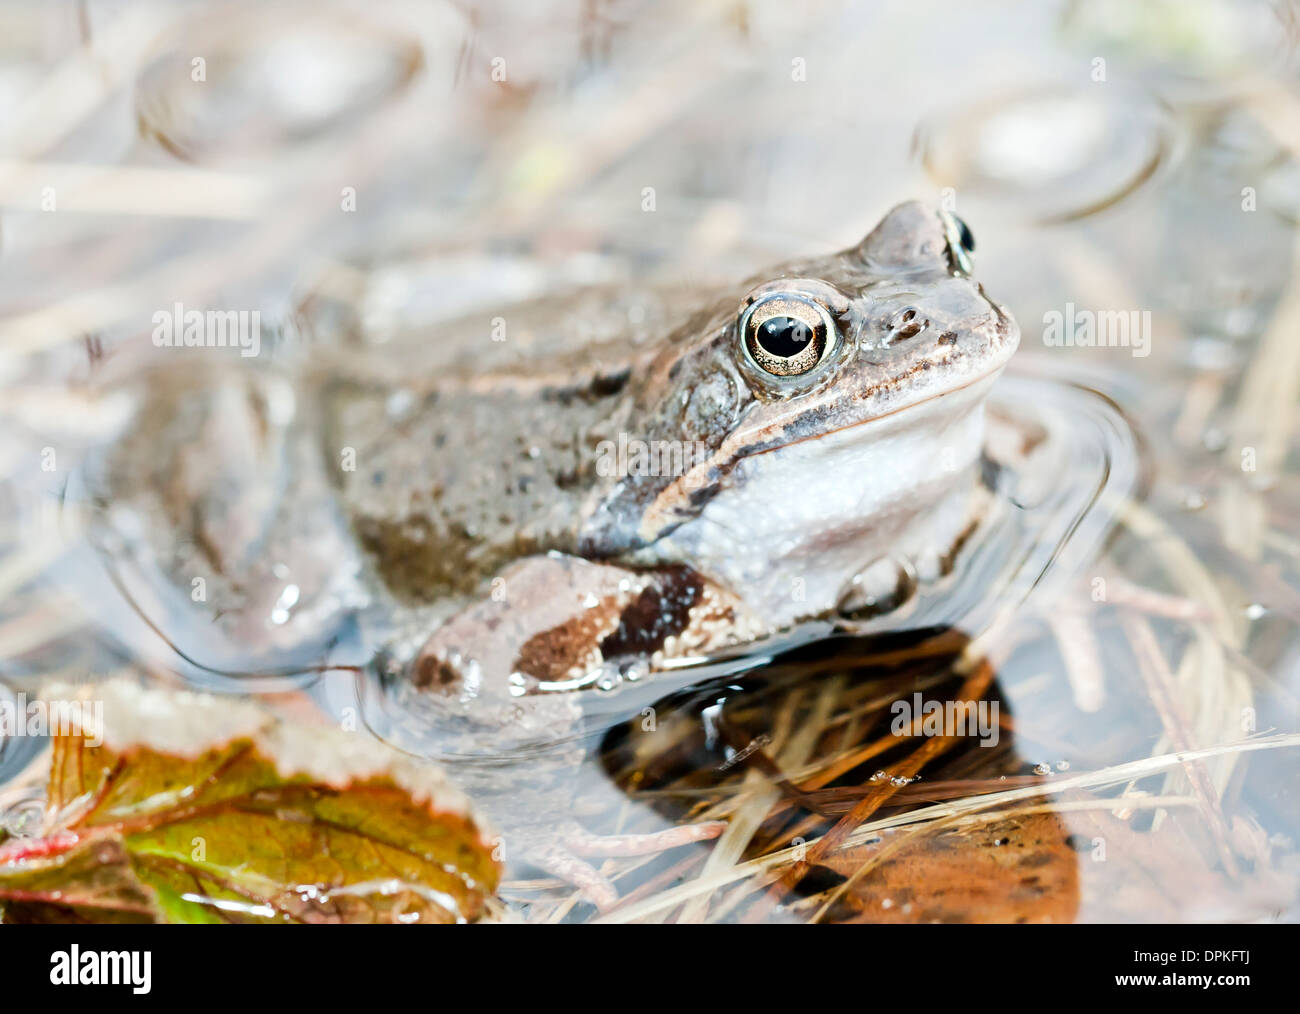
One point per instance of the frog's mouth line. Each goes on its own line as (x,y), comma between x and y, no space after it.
(945,393)
(1006,330)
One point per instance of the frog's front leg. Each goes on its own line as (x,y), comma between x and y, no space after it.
(556,622)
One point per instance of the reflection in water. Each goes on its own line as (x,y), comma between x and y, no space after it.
(832,742)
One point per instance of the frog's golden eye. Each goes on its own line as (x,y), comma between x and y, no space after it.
(786,334)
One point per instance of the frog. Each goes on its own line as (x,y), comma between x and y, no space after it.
(581,490)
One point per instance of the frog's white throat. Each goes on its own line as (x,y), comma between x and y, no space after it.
(794,526)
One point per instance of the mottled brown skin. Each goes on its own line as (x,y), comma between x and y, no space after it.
(445,496)
(494,458)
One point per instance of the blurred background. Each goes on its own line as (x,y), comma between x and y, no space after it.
(1108,155)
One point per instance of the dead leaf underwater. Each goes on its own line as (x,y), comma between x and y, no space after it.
(195,808)
(1013,869)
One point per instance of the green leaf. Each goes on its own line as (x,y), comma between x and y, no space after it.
(196,808)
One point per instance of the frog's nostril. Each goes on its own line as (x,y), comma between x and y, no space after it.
(904,325)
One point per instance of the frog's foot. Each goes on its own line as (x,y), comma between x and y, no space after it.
(561,855)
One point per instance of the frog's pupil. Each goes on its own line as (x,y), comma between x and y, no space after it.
(784,336)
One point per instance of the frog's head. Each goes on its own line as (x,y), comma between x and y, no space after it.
(876,329)
(825,394)
(882,327)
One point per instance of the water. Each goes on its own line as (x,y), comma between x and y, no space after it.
(1133,593)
